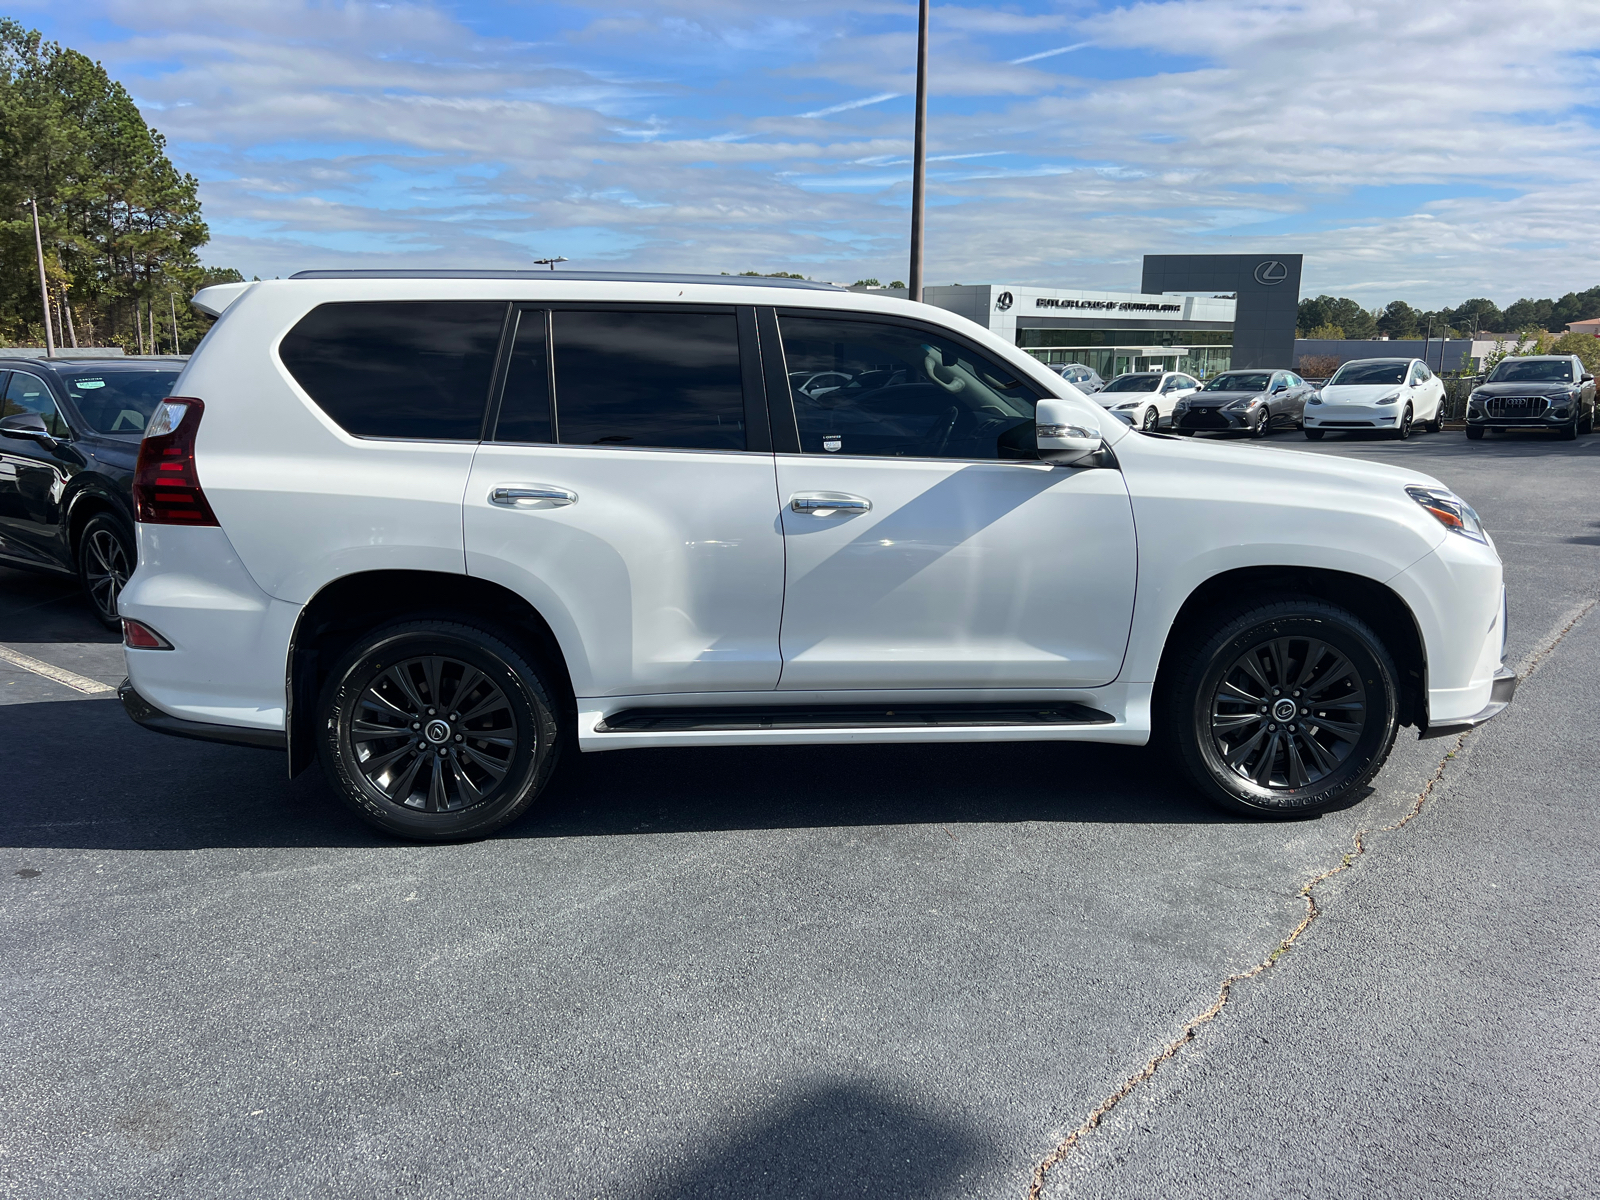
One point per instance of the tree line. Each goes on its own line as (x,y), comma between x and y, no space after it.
(120,225)
(1340,317)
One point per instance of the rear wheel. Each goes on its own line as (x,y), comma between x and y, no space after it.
(106,557)
(437,731)
(1284,709)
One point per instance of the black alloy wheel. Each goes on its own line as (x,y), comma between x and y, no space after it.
(107,556)
(1283,710)
(1569,431)
(1152,419)
(1259,429)
(437,731)
(1403,430)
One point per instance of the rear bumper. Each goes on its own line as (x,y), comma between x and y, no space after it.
(151,717)
(1500,697)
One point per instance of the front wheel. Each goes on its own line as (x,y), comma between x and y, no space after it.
(1474,433)
(1152,419)
(1403,430)
(1568,432)
(1259,429)
(106,558)
(437,731)
(1284,709)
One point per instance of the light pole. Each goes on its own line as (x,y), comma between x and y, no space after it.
(919,154)
(172,304)
(549,262)
(44,287)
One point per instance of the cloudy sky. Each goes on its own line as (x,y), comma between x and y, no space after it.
(1417,150)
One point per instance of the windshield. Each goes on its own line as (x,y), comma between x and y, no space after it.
(1373,371)
(118,400)
(1241,381)
(1542,370)
(1134,383)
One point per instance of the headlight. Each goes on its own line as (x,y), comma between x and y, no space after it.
(1181,406)
(1242,405)
(1314,398)
(1131,404)
(1451,510)
(1389,399)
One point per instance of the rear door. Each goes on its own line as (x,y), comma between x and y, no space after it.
(627,491)
(33,477)
(926,545)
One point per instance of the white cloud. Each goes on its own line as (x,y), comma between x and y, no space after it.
(849,104)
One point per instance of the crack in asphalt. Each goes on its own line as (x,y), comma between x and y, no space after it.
(1186,1034)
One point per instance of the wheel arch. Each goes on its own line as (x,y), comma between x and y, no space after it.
(351,606)
(1375,603)
(86,504)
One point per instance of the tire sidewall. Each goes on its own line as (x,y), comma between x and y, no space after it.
(130,546)
(1217,657)
(530,705)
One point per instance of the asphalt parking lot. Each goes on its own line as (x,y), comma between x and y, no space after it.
(847,972)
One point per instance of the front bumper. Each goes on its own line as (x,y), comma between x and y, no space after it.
(1336,416)
(1500,697)
(151,717)
(1199,419)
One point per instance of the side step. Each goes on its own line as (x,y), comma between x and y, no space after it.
(848,716)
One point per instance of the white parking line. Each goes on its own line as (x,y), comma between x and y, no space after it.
(71,679)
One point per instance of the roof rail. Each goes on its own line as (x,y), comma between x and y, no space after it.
(581,276)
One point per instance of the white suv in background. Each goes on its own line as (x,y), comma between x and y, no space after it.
(1377,393)
(436,528)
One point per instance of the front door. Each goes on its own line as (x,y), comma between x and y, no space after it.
(627,492)
(926,547)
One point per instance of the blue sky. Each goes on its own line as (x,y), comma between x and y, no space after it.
(1407,150)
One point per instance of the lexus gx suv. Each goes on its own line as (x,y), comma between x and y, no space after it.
(436,529)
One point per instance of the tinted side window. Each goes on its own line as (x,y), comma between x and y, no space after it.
(865,387)
(667,379)
(525,403)
(398,369)
(29,394)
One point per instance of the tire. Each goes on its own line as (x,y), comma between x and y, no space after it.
(1588,423)
(1568,432)
(1152,419)
(1259,429)
(1474,433)
(1437,424)
(107,556)
(1207,724)
(483,784)
(1403,430)
(1314,435)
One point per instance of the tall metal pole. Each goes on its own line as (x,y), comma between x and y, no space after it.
(919,153)
(44,287)
(172,303)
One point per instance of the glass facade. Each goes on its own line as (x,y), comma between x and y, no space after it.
(1199,352)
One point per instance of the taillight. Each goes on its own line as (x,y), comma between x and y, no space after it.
(141,637)
(166,487)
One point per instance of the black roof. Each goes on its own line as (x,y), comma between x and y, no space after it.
(582,276)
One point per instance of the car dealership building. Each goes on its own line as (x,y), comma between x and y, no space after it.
(1196,313)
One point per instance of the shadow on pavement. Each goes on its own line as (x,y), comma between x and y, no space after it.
(82,775)
(827,1141)
(35,607)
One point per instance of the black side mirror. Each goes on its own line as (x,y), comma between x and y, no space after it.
(27,425)
(1587,378)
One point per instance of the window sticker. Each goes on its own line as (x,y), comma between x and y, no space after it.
(832,443)
(88,385)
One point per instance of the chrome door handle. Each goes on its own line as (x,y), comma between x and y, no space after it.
(829,504)
(529,495)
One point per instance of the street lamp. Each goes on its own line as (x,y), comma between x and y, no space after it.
(919,154)
(549,262)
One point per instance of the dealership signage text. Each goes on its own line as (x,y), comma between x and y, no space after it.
(1119,305)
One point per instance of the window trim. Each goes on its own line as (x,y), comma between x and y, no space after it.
(62,413)
(786,404)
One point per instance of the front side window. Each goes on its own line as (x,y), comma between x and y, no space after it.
(398,369)
(660,379)
(29,394)
(902,391)
(1533,370)
(117,400)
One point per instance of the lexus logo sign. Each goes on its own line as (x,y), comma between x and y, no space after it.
(1003,301)
(1270,272)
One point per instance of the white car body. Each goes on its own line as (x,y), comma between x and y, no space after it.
(1173,386)
(683,575)
(1379,406)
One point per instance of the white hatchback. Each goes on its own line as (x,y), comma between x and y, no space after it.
(437,529)
(1392,394)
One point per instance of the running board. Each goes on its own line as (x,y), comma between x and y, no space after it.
(776,718)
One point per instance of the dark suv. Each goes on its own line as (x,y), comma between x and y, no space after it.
(1554,392)
(69,435)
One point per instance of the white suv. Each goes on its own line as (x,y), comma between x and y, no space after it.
(434,528)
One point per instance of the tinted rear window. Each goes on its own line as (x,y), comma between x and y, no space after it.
(667,379)
(398,369)
(117,399)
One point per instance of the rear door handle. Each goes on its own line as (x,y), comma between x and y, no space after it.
(531,495)
(829,504)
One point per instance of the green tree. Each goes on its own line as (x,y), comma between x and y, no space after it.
(1529,313)
(121,225)
(1399,320)
(1478,315)
(1574,306)
(1347,314)
(1326,332)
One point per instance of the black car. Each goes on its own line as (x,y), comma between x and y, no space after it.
(1547,391)
(1254,402)
(69,436)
